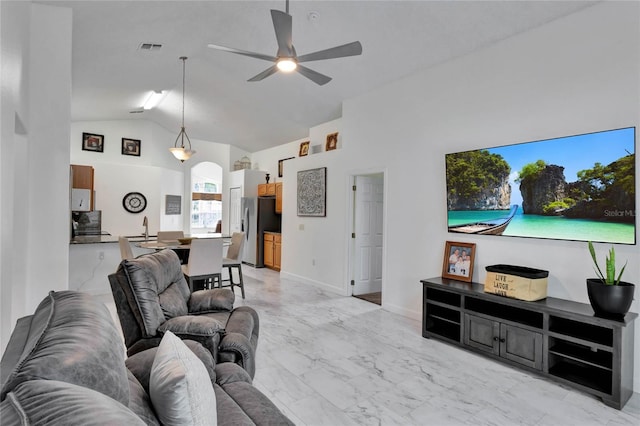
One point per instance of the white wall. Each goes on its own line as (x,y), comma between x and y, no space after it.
(36,51)
(575,75)
(155,173)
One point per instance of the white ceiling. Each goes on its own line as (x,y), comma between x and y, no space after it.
(111,76)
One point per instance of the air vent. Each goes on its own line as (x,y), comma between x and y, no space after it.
(136,111)
(150,47)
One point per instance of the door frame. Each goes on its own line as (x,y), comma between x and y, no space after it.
(351,215)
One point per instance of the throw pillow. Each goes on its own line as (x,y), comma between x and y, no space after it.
(180,387)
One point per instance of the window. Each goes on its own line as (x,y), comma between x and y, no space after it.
(206,205)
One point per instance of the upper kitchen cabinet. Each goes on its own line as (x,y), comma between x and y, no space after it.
(82,188)
(266,189)
(278,197)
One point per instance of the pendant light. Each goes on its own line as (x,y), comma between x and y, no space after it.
(180,152)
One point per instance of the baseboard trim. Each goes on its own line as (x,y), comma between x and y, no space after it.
(287,275)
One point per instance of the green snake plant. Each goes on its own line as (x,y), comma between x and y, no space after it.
(610,261)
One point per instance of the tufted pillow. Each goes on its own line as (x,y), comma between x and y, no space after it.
(158,287)
(39,402)
(180,387)
(73,339)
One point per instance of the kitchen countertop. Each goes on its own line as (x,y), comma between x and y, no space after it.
(99,239)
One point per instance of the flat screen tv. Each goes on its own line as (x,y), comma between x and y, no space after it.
(579,188)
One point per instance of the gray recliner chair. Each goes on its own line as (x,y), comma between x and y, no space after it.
(152,297)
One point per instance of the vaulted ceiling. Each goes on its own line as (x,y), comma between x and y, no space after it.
(112,75)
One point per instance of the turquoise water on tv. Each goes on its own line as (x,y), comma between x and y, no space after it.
(553,227)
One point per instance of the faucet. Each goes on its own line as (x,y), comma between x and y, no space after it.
(145,223)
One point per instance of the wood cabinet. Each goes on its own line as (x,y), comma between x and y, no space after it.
(82,178)
(272,250)
(266,189)
(559,339)
(278,197)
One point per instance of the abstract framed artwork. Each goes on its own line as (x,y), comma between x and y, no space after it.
(312,192)
(131,147)
(458,261)
(92,142)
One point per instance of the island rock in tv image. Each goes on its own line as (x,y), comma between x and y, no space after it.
(578,188)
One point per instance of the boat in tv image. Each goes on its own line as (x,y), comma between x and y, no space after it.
(579,188)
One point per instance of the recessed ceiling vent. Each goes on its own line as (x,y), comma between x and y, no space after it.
(149,47)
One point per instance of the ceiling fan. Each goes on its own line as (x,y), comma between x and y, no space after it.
(286,60)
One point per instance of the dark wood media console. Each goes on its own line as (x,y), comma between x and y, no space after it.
(557,338)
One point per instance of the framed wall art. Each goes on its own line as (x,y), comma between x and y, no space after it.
(312,192)
(304,149)
(92,142)
(131,147)
(458,261)
(332,142)
(281,166)
(172,204)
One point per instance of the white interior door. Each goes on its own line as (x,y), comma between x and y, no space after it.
(369,197)
(235,207)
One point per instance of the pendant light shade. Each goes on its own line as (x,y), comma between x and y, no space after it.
(181,152)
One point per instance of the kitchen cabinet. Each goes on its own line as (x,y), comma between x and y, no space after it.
(266,189)
(272,250)
(278,197)
(558,339)
(82,178)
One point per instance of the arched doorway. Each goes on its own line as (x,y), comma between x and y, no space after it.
(206,198)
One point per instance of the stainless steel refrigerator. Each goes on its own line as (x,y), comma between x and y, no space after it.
(258,215)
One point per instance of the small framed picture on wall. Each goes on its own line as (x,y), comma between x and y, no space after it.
(92,142)
(304,149)
(131,147)
(332,141)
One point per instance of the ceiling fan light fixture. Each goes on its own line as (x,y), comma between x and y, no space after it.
(287,64)
(181,152)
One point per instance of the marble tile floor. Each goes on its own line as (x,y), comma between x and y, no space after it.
(326,359)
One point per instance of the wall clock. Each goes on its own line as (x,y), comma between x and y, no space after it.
(134,202)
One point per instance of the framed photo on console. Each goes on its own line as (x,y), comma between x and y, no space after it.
(458,261)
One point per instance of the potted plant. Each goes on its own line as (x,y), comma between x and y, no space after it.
(609,296)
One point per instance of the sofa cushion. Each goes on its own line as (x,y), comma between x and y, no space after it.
(215,300)
(39,402)
(140,403)
(192,326)
(156,282)
(71,338)
(180,387)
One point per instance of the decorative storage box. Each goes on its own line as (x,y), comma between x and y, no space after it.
(517,282)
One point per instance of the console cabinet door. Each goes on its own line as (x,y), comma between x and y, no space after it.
(521,346)
(481,333)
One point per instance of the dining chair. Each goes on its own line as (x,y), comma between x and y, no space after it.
(233,260)
(205,262)
(125,248)
(170,235)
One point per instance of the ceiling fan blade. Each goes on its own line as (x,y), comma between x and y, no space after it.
(349,49)
(312,75)
(264,74)
(282,24)
(244,52)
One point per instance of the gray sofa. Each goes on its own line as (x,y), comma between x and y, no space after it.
(65,364)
